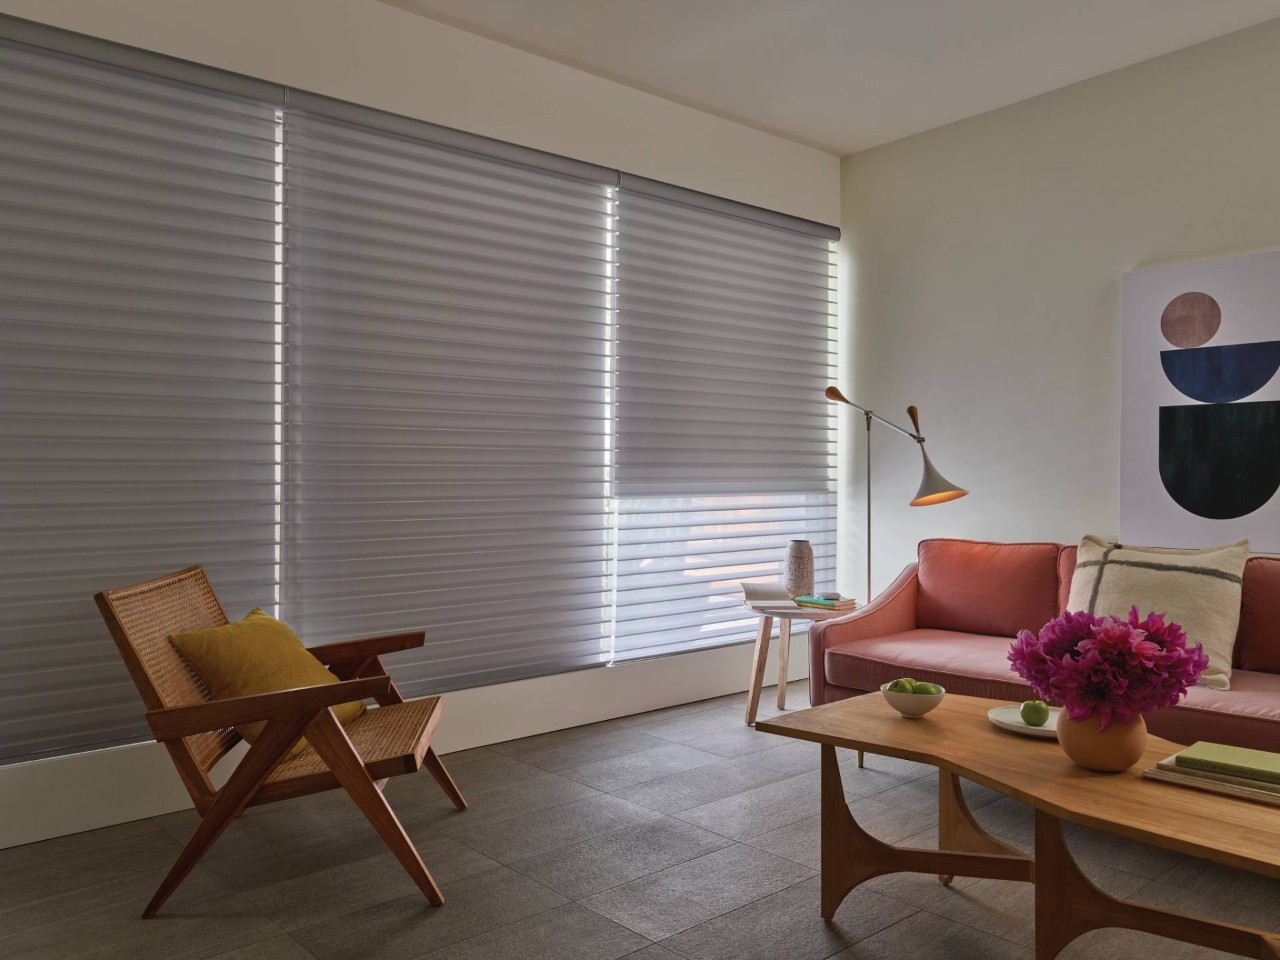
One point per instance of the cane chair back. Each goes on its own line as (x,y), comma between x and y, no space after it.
(141,618)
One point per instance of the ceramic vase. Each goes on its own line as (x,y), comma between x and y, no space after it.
(797,574)
(1117,748)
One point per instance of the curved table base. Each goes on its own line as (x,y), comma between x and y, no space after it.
(1067,903)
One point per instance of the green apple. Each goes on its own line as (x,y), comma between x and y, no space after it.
(928,689)
(1035,713)
(903,685)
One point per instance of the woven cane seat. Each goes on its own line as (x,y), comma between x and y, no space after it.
(390,740)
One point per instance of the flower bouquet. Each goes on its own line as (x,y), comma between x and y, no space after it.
(1106,673)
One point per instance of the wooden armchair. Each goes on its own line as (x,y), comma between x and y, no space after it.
(385,741)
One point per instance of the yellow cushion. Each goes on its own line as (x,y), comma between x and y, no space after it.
(258,654)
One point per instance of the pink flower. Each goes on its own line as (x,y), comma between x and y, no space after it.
(1116,669)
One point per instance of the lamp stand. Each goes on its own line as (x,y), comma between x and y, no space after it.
(868,415)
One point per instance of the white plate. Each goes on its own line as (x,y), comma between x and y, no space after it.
(1009,718)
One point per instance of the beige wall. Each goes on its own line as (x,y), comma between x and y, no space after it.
(984,262)
(376,55)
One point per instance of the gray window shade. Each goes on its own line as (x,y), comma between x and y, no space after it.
(448,343)
(138,372)
(725,445)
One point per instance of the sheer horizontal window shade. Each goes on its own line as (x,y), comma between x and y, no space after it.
(139,381)
(725,448)
(447,467)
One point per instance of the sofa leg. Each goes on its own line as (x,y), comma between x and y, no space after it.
(860,759)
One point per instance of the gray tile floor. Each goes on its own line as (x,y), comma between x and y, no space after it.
(675,834)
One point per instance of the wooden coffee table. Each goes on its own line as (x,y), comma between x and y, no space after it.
(958,739)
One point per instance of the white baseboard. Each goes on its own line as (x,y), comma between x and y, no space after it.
(83,791)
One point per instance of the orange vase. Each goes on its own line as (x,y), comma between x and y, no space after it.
(1117,748)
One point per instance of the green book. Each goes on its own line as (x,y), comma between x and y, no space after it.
(1233,761)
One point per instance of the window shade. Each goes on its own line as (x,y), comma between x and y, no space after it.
(725,445)
(448,342)
(138,373)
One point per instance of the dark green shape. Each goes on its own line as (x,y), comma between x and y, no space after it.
(1221,460)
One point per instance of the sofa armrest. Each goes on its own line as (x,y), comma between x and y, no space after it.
(892,612)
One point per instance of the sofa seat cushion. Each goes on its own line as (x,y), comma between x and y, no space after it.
(969,664)
(1247,715)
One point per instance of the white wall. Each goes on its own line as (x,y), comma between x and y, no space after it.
(373,54)
(984,262)
(379,56)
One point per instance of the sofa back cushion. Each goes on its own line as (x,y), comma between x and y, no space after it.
(1066,568)
(1258,640)
(992,588)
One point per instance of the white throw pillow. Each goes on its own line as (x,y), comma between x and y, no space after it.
(1197,589)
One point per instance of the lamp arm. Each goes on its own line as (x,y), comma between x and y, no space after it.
(834,394)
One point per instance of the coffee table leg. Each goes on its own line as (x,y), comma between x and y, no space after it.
(1068,905)
(850,855)
(957,828)
(757,668)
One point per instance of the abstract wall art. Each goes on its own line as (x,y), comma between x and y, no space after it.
(1200,404)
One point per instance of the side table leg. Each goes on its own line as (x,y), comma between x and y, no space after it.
(784,655)
(757,668)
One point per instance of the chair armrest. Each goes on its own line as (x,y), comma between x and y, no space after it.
(350,651)
(892,612)
(171,723)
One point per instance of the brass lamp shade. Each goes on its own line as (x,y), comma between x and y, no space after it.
(934,487)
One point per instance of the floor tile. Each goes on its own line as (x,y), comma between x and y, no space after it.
(1224,883)
(604,862)
(277,948)
(320,895)
(524,795)
(1261,914)
(52,867)
(926,936)
(614,773)
(1092,848)
(1006,908)
(521,835)
(559,751)
(759,810)
(791,757)
(409,927)
(104,923)
(692,788)
(568,932)
(1130,945)
(721,732)
(788,926)
(664,903)
(801,840)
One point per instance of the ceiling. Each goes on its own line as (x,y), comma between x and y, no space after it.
(845,75)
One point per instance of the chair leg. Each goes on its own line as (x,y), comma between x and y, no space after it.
(433,763)
(328,738)
(263,756)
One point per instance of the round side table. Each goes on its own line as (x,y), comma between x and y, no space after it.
(784,616)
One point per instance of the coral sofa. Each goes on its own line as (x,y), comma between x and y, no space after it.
(949,618)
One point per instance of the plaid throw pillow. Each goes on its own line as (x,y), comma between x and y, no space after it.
(1197,589)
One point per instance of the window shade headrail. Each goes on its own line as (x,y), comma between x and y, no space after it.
(184,71)
(730,208)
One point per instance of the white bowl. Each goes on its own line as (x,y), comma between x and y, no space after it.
(912,705)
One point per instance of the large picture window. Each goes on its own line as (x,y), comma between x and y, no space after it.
(376,375)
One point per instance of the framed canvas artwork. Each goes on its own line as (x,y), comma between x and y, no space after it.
(1200,404)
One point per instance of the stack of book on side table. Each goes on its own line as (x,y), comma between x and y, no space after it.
(826,603)
(1218,768)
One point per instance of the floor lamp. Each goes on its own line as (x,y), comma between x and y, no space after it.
(934,487)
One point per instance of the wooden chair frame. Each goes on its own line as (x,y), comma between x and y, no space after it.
(198,730)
